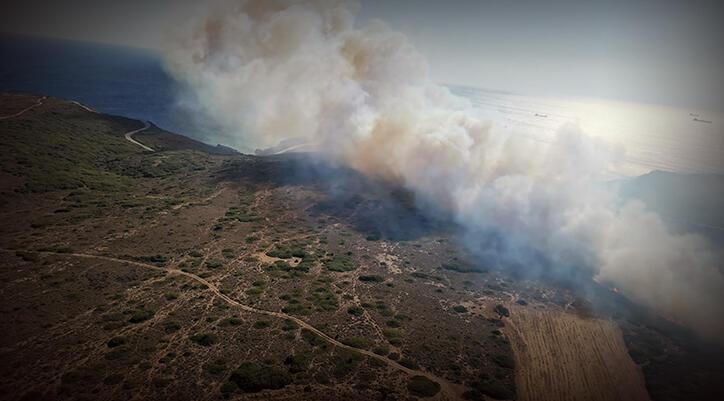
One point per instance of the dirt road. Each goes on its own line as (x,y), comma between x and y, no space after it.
(18,114)
(129,136)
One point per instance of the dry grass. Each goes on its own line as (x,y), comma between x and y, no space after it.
(561,356)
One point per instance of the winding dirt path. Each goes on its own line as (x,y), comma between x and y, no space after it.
(21,112)
(129,136)
(453,391)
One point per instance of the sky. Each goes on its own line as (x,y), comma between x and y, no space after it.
(667,52)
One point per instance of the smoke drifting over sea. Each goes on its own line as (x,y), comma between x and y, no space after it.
(271,70)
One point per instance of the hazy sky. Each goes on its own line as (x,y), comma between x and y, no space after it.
(665,51)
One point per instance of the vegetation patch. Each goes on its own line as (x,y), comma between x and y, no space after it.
(421,386)
(461,267)
(357,342)
(340,264)
(141,315)
(460,309)
(116,341)
(204,339)
(158,260)
(409,363)
(230,321)
(371,279)
(355,311)
(345,362)
(251,377)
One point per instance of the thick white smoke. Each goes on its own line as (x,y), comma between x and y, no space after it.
(270,70)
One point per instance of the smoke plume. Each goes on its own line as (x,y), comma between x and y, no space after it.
(361,96)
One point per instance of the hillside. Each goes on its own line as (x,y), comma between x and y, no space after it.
(193,272)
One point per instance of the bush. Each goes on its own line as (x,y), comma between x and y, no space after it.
(171,327)
(391,333)
(214,264)
(141,315)
(371,278)
(116,341)
(216,367)
(357,342)
(345,362)
(461,267)
(392,323)
(421,386)
(230,321)
(158,260)
(502,310)
(252,378)
(355,311)
(228,387)
(297,363)
(493,389)
(289,325)
(340,264)
(460,309)
(504,361)
(27,256)
(409,363)
(261,324)
(205,339)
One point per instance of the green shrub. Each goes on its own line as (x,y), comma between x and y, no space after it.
(116,341)
(216,367)
(230,321)
(171,327)
(261,324)
(158,260)
(460,309)
(340,264)
(297,363)
(391,333)
(27,256)
(493,389)
(502,310)
(409,363)
(371,278)
(289,325)
(205,339)
(357,342)
(251,378)
(421,386)
(504,361)
(228,387)
(461,267)
(355,311)
(345,362)
(141,315)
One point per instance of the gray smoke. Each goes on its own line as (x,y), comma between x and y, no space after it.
(361,96)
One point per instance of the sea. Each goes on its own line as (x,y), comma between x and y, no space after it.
(132,82)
